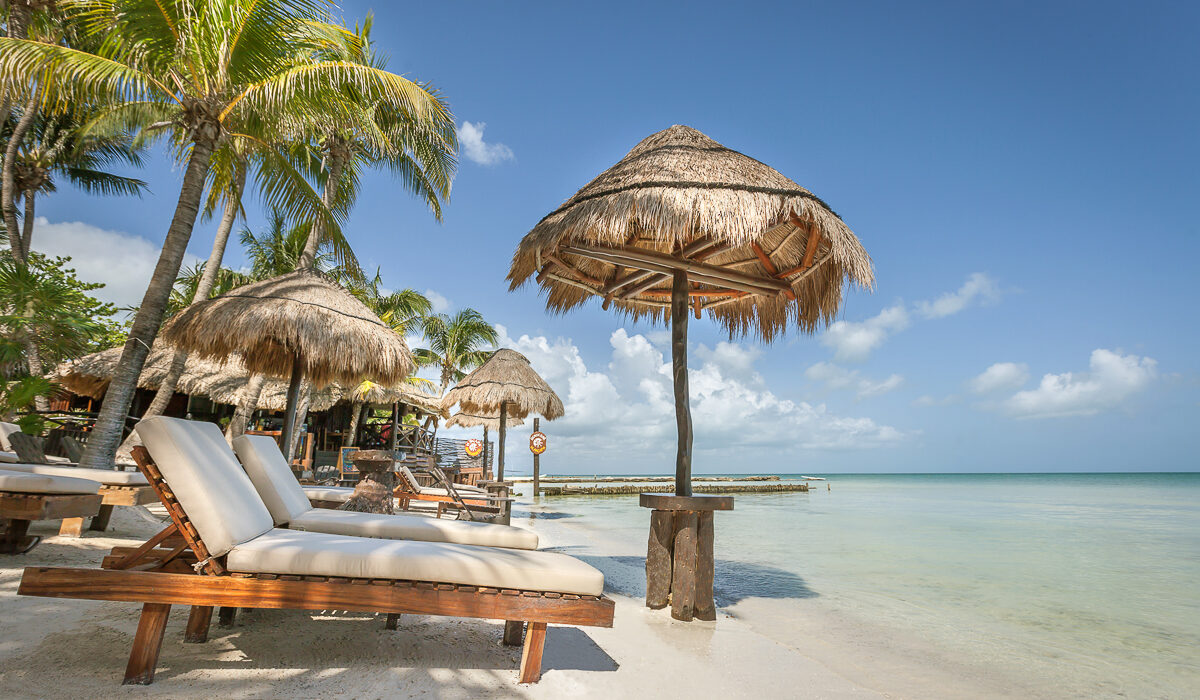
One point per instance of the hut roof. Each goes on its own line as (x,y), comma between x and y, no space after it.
(505,376)
(301,314)
(403,392)
(472,420)
(751,239)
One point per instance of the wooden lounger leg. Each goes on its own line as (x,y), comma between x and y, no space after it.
(16,540)
(513,629)
(146,644)
(197,625)
(225,616)
(531,655)
(392,620)
(100,521)
(71,527)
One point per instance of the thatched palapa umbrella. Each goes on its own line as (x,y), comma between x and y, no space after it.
(503,387)
(682,225)
(301,326)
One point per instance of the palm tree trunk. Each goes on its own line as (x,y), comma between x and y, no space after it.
(34,358)
(102,446)
(8,184)
(298,431)
(27,234)
(355,413)
(179,359)
(19,15)
(317,233)
(247,402)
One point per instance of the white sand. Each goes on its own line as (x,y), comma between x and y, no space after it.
(78,649)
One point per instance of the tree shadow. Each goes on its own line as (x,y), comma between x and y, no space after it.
(733,580)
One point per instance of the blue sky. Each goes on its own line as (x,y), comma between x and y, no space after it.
(1024,176)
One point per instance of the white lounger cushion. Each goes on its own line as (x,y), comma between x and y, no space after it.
(7,457)
(7,429)
(414,527)
(208,481)
(318,554)
(289,507)
(21,482)
(338,494)
(108,477)
(272,477)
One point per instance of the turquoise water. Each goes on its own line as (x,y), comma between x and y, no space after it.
(1084,584)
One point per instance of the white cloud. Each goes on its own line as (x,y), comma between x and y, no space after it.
(440,303)
(853,341)
(979,288)
(625,414)
(927,400)
(470,138)
(122,261)
(837,377)
(1112,378)
(1002,376)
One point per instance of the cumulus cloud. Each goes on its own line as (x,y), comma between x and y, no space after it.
(440,303)
(837,377)
(1111,379)
(1002,376)
(624,412)
(978,289)
(122,261)
(853,341)
(470,138)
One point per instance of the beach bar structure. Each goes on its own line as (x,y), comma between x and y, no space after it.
(679,227)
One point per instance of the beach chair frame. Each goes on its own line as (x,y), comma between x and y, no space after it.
(156,574)
(21,509)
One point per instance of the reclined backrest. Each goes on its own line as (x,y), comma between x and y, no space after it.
(269,471)
(7,429)
(205,475)
(410,478)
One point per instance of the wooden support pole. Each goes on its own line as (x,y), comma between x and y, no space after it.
(71,527)
(531,654)
(226,616)
(100,522)
(683,411)
(514,630)
(487,469)
(500,447)
(536,463)
(704,607)
(197,624)
(683,577)
(395,427)
(293,397)
(147,642)
(393,621)
(659,550)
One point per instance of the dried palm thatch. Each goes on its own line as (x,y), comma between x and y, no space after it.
(299,317)
(471,420)
(751,240)
(404,392)
(508,378)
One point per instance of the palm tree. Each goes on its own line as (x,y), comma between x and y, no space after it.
(456,344)
(189,68)
(418,149)
(59,145)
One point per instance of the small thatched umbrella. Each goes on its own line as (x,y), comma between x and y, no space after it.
(682,225)
(505,386)
(471,420)
(301,326)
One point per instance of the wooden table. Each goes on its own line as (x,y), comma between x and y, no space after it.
(373,493)
(679,553)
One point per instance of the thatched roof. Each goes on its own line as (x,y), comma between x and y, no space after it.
(471,420)
(404,392)
(222,383)
(680,195)
(302,313)
(506,376)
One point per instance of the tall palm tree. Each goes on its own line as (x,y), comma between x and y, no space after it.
(188,68)
(419,150)
(456,344)
(61,145)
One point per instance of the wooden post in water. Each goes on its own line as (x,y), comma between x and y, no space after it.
(536,462)
(683,410)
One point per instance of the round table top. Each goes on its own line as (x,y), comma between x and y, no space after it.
(669,501)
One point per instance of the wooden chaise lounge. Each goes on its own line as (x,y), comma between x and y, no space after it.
(116,489)
(290,508)
(28,497)
(222,550)
(468,500)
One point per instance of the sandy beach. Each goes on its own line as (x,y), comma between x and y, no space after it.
(73,648)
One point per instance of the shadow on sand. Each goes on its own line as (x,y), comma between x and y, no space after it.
(734,580)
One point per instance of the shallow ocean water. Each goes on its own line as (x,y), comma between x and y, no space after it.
(1080,585)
